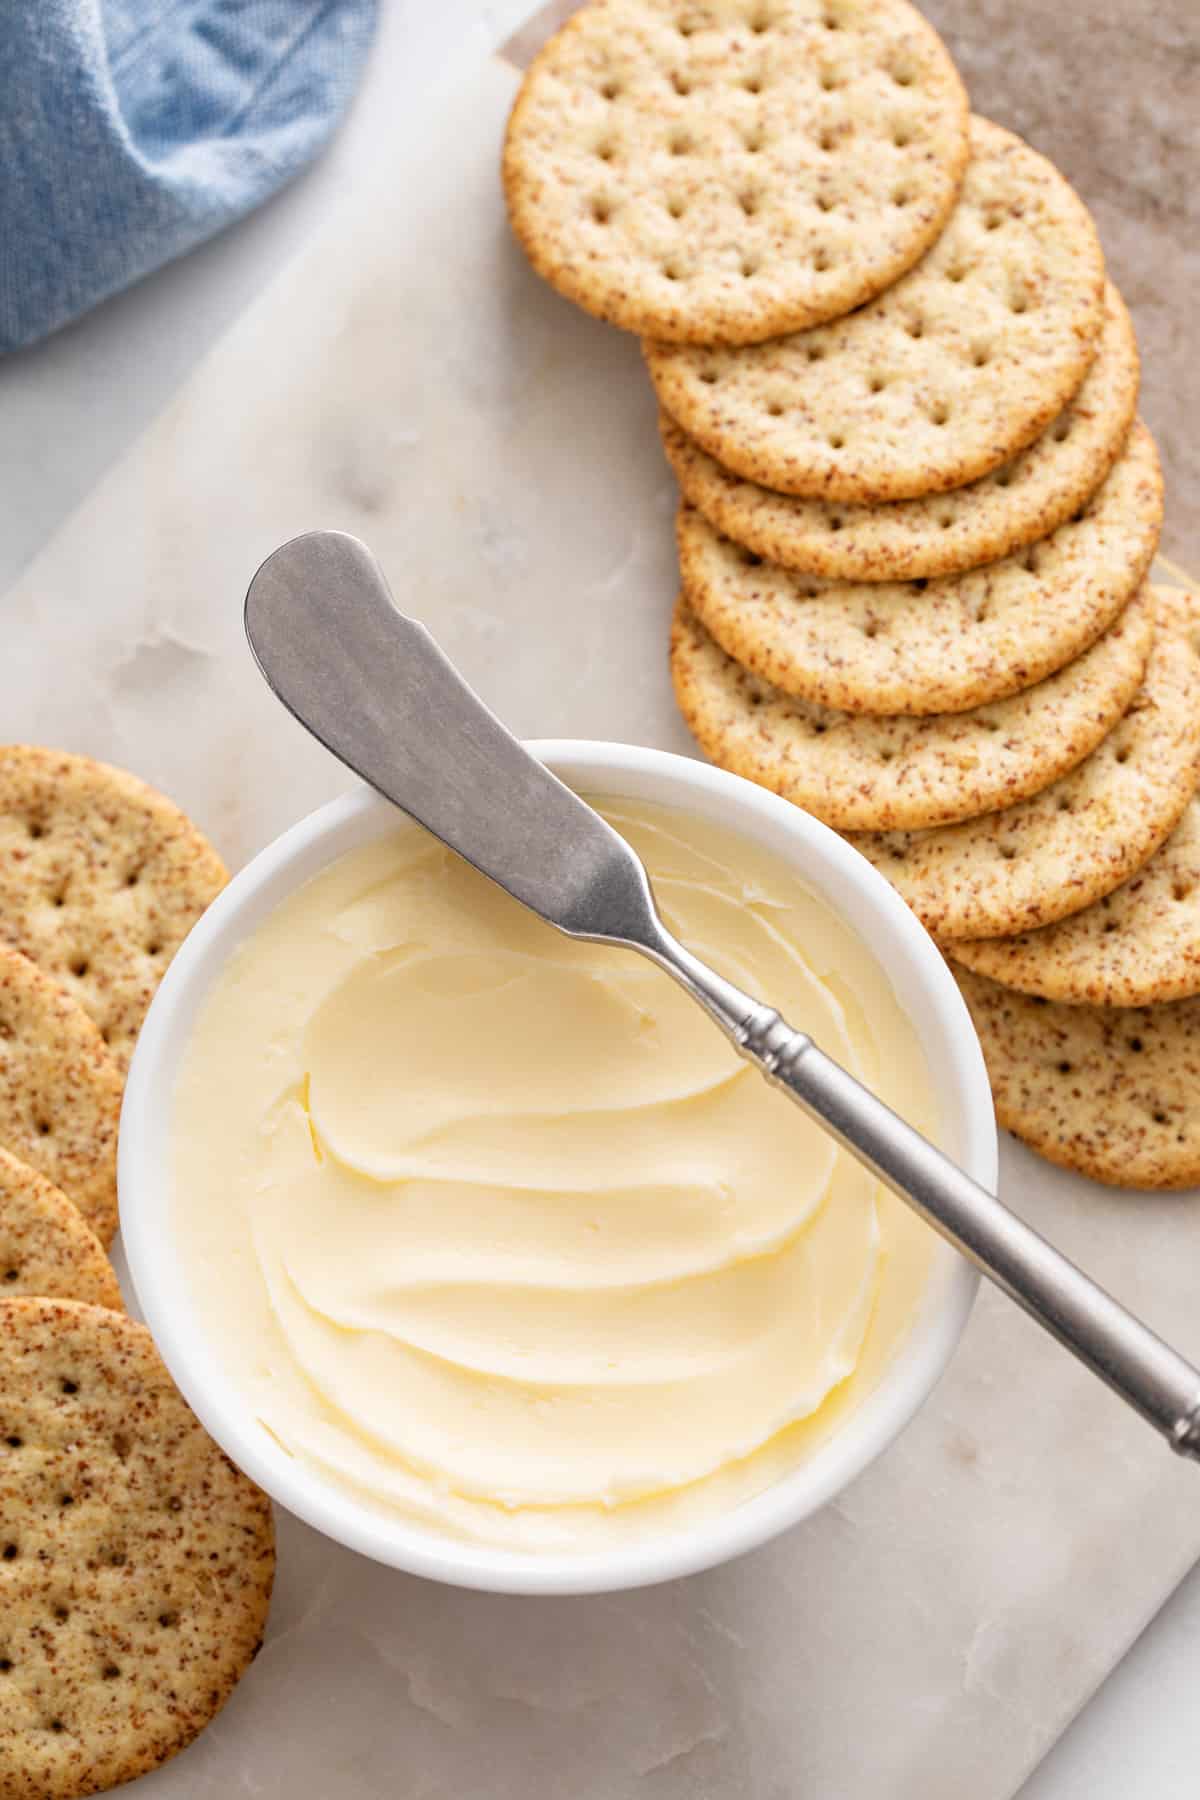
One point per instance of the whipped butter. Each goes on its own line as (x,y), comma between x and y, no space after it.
(496,1228)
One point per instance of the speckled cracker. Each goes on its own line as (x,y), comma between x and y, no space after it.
(136,1566)
(724,170)
(1138,945)
(938,646)
(942,534)
(60,1091)
(944,376)
(1059,851)
(45,1246)
(1135,947)
(861,772)
(101,879)
(1107,1091)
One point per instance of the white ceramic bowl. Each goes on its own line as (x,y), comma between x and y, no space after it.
(848,884)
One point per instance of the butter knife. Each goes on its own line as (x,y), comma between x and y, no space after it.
(374,688)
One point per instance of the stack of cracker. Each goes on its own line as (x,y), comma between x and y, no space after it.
(918,512)
(136,1562)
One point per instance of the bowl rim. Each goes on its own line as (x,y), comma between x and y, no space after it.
(915,969)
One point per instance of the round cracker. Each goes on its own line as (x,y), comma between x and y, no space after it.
(944,376)
(45,1246)
(725,170)
(941,534)
(1138,945)
(862,772)
(1080,838)
(938,646)
(60,1091)
(137,1563)
(1107,1091)
(101,879)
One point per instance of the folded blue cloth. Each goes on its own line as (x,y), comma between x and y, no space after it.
(130,130)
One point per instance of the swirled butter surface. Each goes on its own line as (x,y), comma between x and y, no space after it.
(495,1227)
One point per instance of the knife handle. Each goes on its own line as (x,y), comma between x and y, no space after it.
(1151,1377)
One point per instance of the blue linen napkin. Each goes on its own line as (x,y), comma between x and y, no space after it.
(130,130)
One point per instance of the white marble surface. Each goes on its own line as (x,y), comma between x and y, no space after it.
(930,1634)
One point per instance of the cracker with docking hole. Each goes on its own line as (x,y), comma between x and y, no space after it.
(938,646)
(1109,1092)
(60,1091)
(726,170)
(136,1564)
(941,534)
(944,376)
(862,772)
(1139,945)
(101,879)
(1064,848)
(46,1247)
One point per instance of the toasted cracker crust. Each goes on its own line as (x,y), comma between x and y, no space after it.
(1138,945)
(137,1562)
(101,879)
(1109,1092)
(1077,840)
(862,772)
(726,170)
(944,376)
(46,1246)
(943,534)
(940,646)
(60,1091)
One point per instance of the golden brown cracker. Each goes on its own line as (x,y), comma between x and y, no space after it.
(725,170)
(1109,1092)
(60,1091)
(942,377)
(941,534)
(937,646)
(136,1562)
(46,1247)
(101,879)
(871,772)
(1062,849)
